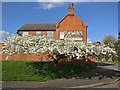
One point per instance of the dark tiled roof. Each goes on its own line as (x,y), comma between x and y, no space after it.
(38,27)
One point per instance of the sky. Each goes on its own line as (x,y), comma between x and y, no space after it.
(100,17)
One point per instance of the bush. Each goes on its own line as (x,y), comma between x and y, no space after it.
(41,71)
(63,69)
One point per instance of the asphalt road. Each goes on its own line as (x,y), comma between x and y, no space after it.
(108,65)
(114,85)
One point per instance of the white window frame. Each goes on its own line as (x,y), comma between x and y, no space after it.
(25,33)
(75,32)
(81,32)
(61,35)
(50,33)
(37,33)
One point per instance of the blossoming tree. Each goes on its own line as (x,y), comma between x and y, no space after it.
(58,49)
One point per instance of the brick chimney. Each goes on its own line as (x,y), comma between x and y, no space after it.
(71,9)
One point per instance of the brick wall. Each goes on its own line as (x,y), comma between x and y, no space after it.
(30,57)
(73,23)
(24,56)
(31,33)
(1,46)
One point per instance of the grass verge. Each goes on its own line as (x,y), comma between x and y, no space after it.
(41,71)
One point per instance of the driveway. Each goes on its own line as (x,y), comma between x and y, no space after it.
(108,65)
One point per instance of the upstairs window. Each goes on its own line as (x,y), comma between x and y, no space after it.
(73,35)
(25,33)
(61,35)
(50,33)
(38,33)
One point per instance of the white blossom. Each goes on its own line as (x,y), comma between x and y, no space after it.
(43,44)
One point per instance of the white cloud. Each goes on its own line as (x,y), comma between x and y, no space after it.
(89,40)
(60,0)
(77,0)
(3,34)
(49,5)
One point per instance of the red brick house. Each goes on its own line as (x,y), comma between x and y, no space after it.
(70,28)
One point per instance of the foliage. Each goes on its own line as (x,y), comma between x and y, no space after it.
(97,43)
(40,71)
(42,44)
(109,41)
(118,49)
(118,46)
(119,35)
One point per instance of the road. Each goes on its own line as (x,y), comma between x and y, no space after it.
(115,67)
(108,65)
(114,85)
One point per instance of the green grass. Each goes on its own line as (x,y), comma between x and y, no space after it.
(0,71)
(40,71)
(116,62)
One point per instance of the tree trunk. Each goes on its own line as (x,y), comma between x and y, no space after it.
(110,59)
(7,58)
(103,59)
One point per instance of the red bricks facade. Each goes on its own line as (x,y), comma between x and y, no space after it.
(69,23)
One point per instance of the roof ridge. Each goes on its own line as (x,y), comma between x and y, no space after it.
(49,26)
(40,23)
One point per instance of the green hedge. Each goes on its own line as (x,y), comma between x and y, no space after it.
(41,71)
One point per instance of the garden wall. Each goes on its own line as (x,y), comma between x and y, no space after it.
(30,57)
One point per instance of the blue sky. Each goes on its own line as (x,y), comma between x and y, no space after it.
(100,17)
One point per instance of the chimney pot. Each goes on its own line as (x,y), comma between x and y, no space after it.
(71,9)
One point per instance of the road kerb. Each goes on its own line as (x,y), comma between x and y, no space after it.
(95,85)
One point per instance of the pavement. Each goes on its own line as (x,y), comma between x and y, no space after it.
(106,75)
(114,85)
(107,65)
